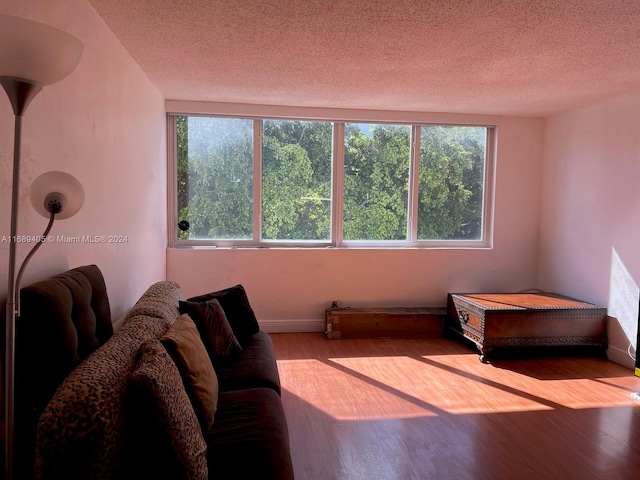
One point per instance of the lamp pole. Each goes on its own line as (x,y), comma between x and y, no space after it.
(20,93)
(32,55)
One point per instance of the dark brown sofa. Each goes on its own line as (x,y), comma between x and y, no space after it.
(90,420)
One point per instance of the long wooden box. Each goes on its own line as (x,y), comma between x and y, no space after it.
(526,319)
(384,322)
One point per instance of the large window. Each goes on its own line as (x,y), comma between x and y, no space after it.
(296,180)
(376,181)
(215,177)
(272,182)
(451,183)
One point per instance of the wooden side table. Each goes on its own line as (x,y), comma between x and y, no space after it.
(492,320)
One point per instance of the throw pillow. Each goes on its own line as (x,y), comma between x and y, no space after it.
(235,303)
(183,343)
(215,331)
(160,394)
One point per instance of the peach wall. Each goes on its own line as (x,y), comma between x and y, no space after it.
(292,285)
(590,211)
(105,125)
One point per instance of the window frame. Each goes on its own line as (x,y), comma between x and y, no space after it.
(337,188)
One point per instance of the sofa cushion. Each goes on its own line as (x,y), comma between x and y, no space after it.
(255,366)
(215,331)
(172,426)
(249,438)
(63,320)
(160,301)
(183,343)
(82,431)
(235,304)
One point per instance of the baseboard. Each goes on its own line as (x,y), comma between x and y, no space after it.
(620,356)
(293,326)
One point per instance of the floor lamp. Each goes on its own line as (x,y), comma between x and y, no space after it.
(32,55)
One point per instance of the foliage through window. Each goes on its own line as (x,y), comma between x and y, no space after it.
(376,181)
(215,177)
(296,180)
(291,182)
(451,182)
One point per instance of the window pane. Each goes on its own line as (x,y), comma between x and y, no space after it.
(296,180)
(376,181)
(215,177)
(452,163)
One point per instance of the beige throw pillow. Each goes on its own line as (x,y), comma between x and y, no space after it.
(185,346)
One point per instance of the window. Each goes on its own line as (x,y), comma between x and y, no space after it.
(376,181)
(451,182)
(214,170)
(274,182)
(296,180)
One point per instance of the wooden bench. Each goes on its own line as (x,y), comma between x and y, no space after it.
(384,322)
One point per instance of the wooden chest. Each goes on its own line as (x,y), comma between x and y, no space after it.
(384,322)
(492,320)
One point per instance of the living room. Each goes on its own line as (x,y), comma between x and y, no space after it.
(565,199)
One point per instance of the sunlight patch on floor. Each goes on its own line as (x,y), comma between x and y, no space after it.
(367,399)
(395,387)
(588,392)
(444,390)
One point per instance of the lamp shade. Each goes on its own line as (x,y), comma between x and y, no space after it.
(60,188)
(36,52)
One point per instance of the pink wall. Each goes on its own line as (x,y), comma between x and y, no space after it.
(298,284)
(105,125)
(590,211)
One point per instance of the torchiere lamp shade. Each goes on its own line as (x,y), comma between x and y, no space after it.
(36,52)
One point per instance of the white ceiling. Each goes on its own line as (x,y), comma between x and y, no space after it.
(510,57)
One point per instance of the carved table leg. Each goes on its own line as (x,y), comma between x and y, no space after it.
(484,352)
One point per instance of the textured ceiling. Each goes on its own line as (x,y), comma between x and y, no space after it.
(511,57)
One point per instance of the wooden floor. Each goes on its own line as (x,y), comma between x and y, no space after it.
(428,409)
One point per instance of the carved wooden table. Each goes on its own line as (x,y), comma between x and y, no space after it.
(492,320)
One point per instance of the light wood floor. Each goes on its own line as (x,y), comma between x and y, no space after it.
(428,409)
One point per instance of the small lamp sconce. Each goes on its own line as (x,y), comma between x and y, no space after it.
(57,193)
(54,195)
